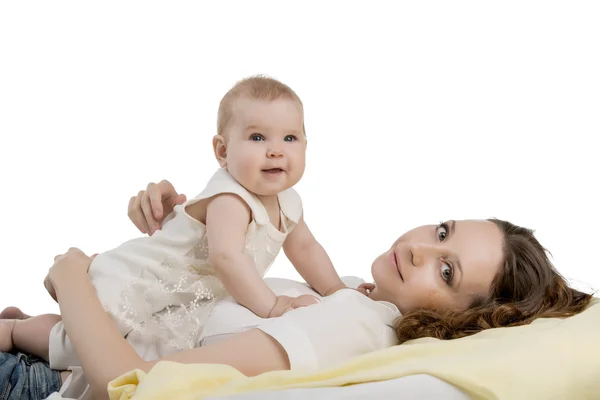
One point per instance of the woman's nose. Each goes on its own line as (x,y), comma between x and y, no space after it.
(422,252)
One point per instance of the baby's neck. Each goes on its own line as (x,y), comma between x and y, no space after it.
(268,201)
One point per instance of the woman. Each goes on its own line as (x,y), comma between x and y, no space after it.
(447,281)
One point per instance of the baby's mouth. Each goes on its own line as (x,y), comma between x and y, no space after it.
(273,171)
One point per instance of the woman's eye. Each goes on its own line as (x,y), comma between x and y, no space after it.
(447,272)
(442,232)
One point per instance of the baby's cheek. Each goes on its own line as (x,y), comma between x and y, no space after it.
(249,161)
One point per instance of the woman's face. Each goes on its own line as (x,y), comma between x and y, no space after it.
(439,267)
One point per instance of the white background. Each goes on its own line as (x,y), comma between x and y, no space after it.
(416,112)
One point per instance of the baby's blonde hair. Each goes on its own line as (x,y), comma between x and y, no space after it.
(257,87)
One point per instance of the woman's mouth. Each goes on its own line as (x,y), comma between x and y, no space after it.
(394,261)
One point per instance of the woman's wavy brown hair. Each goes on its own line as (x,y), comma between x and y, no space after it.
(526,287)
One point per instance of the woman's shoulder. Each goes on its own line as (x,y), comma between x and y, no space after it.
(385,311)
(341,326)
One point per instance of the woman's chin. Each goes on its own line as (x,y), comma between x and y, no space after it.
(384,274)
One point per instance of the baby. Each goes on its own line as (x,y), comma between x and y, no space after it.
(224,240)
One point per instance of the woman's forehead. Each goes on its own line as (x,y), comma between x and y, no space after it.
(479,246)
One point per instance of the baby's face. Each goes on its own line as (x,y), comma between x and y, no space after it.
(266,145)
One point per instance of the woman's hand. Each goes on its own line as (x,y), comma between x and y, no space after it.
(149,208)
(71,264)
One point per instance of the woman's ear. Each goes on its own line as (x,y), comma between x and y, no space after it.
(220,149)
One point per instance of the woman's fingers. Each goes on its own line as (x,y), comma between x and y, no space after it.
(148,209)
(136,214)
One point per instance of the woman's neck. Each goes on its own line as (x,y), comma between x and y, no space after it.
(376,295)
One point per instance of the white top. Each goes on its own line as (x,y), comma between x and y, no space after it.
(163,285)
(341,326)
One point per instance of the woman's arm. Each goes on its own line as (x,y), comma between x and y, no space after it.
(106,355)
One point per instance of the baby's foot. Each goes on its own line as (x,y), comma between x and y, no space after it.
(13,313)
(6,328)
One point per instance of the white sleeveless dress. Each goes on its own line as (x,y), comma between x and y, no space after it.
(163,286)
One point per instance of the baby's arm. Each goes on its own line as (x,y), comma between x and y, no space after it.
(227,219)
(311,261)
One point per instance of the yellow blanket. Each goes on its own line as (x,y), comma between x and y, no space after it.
(549,359)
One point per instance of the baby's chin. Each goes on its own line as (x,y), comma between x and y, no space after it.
(267,188)
(267,192)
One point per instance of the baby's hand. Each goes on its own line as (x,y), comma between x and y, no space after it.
(366,288)
(284,304)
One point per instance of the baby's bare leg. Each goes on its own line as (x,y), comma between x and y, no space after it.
(13,313)
(28,335)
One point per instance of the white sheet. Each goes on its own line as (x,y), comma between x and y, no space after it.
(415,387)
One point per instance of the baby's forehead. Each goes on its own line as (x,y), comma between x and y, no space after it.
(282,112)
(244,103)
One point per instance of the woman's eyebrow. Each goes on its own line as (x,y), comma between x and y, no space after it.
(452,224)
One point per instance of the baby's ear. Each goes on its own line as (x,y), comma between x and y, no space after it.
(220,149)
